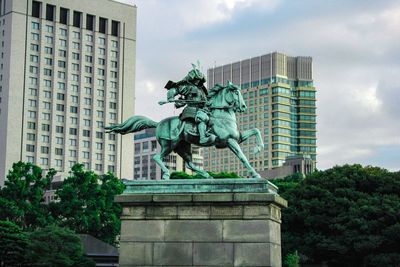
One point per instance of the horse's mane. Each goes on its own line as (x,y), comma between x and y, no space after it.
(215,90)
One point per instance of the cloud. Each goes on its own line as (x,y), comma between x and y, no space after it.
(354,44)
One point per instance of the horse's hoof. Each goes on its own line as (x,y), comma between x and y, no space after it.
(165,177)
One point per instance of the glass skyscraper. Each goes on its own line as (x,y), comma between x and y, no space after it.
(281,102)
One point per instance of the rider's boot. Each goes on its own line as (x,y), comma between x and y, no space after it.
(204,138)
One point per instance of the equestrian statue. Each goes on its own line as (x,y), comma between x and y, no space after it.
(208,119)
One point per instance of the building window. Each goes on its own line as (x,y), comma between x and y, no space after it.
(34,47)
(36,6)
(60,96)
(49,39)
(77,19)
(77,35)
(48,50)
(35,26)
(115,28)
(64,16)
(59,129)
(89,22)
(73,131)
(99,135)
(99,167)
(75,56)
(59,151)
(73,142)
(35,36)
(31,125)
(63,32)
(50,12)
(46,127)
(103,25)
(30,148)
(86,133)
(58,162)
(44,149)
(44,161)
(30,137)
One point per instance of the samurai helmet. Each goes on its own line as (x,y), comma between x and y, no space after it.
(195,74)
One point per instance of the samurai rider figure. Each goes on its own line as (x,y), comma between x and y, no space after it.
(193,95)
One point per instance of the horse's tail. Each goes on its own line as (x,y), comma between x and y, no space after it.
(132,125)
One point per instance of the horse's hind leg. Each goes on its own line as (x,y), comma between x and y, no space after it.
(184,150)
(166,149)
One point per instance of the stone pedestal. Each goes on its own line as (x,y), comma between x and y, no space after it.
(229,222)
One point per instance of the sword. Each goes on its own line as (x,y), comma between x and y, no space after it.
(162,102)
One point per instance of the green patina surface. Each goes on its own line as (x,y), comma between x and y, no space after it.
(208,119)
(242,185)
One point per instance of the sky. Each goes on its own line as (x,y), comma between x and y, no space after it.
(355,46)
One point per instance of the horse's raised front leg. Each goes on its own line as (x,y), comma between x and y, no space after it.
(184,150)
(246,134)
(166,149)
(234,146)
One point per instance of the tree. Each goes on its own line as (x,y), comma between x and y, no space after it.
(55,246)
(21,198)
(13,243)
(345,216)
(86,204)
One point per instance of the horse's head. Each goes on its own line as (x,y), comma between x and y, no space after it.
(234,97)
(226,97)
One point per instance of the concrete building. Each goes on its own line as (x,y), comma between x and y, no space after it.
(302,164)
(280,97)
(146,146)
(67,69)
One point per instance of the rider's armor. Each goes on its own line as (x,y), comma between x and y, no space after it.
(193,94)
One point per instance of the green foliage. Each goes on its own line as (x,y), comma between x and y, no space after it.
(292,260)
(219,175)
(21,199)
(55,246)
(344,216)
(13,242)
(181,175)
(288,183)
(86,204)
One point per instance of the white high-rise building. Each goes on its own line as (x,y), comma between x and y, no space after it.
(67,69)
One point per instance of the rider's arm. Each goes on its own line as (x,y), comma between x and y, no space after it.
(171,94)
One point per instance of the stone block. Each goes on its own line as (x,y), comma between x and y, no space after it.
(213,254)
(134,212)
(193,212)
(256,212)
(252,254)
(173,254)
(135,254)
(274,232)
(161,212)
(172,198)
(247,197)
(193,230)
(275,255)
(137,230)
(133,198)
(221,197)
(227,212)
(245,231)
